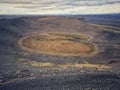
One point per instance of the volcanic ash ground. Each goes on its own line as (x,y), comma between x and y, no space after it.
(63,53)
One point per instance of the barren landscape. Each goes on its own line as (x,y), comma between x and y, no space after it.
(58,53)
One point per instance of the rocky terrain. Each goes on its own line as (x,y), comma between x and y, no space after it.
(58,53)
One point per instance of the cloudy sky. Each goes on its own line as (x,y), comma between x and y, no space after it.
(59,6)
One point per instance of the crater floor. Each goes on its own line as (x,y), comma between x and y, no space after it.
(57,44)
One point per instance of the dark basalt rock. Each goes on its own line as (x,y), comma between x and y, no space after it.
(13,75)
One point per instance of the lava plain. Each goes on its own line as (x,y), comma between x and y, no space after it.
(58,53)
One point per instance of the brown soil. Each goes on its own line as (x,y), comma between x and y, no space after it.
(57,44)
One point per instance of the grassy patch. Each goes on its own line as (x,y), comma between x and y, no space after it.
(63,66)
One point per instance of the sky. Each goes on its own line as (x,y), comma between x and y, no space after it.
(50,7)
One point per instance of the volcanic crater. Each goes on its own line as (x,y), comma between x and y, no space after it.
(57,44)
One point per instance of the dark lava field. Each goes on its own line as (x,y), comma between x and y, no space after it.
(58,53)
